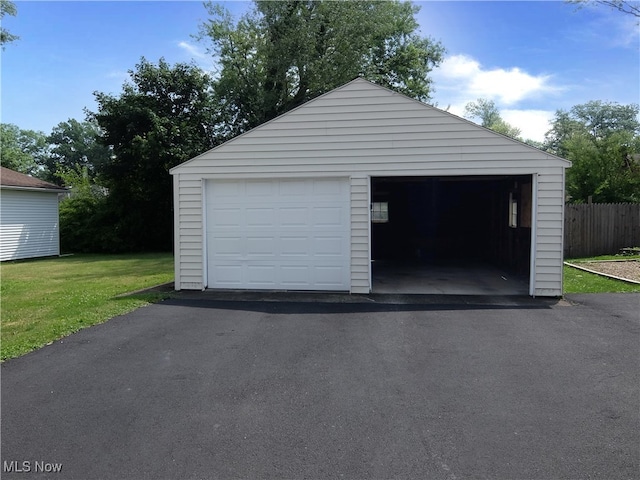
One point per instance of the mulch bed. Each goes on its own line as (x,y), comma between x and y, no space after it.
(624,269)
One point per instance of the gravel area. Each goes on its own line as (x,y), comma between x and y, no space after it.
(629,269)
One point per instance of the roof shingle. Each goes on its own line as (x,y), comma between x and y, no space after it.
(11,178)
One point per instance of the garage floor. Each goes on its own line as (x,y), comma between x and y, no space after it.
(462,279)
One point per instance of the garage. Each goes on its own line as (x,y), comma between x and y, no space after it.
(278,234)
(363,182)
(29,218)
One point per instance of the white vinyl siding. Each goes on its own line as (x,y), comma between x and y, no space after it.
(360,131)
(28,224)
(189,260)
(549,235)
(360,262)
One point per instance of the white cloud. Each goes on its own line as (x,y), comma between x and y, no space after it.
(509,86)
(462,79)
(460,66)
(506,86)
(118,74)
(533,124)
(203,60)
(194,51)
(628,33)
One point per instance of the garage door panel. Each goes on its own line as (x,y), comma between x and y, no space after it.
(260,217)
(278,234)
(295,276)
(259,189)
(228,275)
(228,246)
(327,217)
(328,246)
(294,217)
(261,247)
(326,187)
(231,189)
(295,188)
(294,246)
(227,217)
(329,276)
(261,276)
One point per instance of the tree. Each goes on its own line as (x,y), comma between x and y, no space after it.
(161,118)
(283,54)
(75,145)
(602,139)
(25,151)
(84,220)
(595,119)
(489,116)
(7,8)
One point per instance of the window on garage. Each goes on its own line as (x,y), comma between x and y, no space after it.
(380,212)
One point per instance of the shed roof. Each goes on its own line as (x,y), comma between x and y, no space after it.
(11,178)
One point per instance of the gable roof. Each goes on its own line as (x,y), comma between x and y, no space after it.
(10,178)
(363,109)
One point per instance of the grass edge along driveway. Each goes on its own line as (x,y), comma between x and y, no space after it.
(46,299)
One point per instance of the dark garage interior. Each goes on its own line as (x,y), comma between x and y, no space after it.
(449,231)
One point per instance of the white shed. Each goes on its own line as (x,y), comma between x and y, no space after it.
(311,199)
(28,216)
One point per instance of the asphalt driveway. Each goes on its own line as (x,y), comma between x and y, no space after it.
(202,388)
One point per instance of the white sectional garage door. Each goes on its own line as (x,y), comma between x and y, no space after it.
(284,234)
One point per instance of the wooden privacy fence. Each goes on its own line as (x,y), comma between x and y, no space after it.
(600,228)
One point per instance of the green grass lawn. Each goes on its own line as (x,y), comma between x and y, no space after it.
(46,299)
(578,281)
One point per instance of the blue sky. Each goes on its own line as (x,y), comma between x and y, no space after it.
(531,58)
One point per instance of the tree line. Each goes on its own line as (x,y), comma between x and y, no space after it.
(601,139)
(275,57)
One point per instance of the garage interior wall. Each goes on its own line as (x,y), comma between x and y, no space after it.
(442,220)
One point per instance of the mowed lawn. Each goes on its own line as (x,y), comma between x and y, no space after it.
(46,299)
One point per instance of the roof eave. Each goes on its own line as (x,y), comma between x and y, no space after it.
(34,189)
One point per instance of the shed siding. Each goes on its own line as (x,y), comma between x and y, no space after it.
(362,130)
(28,224)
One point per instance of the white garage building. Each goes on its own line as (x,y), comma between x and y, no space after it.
(29,225)
(310,199)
